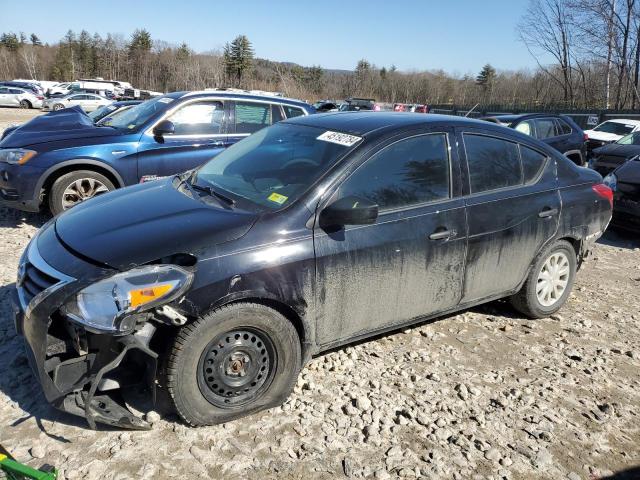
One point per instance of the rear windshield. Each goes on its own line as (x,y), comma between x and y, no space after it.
(614,127)
(276,165)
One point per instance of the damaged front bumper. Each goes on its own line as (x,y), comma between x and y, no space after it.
(80,372)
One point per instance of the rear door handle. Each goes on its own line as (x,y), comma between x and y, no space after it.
(441,235)
(548,212)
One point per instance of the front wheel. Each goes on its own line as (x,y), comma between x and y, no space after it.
(58,106)
(76,187)
(549,282)
(238,359)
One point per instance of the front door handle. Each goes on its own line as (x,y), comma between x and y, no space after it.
(548,212)
(441,235)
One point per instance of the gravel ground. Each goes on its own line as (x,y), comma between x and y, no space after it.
(484,394)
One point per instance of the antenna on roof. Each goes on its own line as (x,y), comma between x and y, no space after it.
(474,107)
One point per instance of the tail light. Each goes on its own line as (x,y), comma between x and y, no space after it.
(604,192)
(586,137)
(40,97)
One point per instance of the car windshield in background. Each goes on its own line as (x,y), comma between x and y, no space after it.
(101,112)
(274,166)
(614,127)
(631,139)
(138,115)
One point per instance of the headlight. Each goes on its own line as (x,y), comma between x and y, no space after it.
(611,181)
(16,156)
(107,305)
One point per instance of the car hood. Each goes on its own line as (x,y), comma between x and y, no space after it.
(602,136)
(146,222)
(616,150)
(68,124)
(629,172)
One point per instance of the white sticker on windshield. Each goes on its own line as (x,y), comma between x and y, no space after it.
(166,100)
(339,138)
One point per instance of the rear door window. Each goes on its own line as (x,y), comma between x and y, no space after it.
(276,113)
(563,127)
(16,91)
(200,118)
(532,163)
(292,111)
(526,127)
(409,172)
(545,128)
(251,117)
(493,163)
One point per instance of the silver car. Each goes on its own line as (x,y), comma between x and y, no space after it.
(19,97)
(88,101)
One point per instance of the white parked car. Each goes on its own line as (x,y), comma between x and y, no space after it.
(19,97)
(88,101)
(611,131)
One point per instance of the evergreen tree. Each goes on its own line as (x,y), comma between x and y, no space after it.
(35,40)
(486,77)
(183,52)
(10,41)
(140,42)
(238,57)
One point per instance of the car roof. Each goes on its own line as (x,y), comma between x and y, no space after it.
(364,123)
(623,120)
(512,117)
(244,96)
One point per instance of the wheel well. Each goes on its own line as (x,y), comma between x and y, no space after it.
(46,187)
(576,244)
(28,102)
(283,309)
(575,158)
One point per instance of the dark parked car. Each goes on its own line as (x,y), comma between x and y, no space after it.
(559,131)
(357,104)
(625,183)
(221,283)
(96,116)
(160,137)
(324,106)
(611,156)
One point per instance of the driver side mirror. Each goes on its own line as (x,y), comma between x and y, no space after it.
(165,127)
(349,210)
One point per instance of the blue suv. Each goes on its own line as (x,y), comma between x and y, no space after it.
(61,167)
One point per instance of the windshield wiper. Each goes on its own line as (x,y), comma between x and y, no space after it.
(212,193)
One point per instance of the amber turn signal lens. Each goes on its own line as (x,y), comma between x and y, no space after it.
(148,294)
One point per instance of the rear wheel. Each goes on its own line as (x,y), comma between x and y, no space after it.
(58,106)
(76,187)
(238,359)
(25,104)
(549,282)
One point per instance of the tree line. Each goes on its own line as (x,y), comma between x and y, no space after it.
(587,53)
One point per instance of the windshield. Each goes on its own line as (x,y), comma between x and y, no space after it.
(101,112)
(631,139)
(136,116)
(614,127)
(276,165)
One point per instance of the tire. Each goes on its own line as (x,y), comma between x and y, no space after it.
(58,106)
(528,301)
(87,183)
(203,348)
(25,104)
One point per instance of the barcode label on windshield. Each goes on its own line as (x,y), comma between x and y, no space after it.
(339,138)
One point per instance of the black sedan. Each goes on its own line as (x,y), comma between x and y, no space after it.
(625,183)
(558,131)
(609,157)
(217,285)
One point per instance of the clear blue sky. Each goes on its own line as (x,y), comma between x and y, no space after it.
(458,36)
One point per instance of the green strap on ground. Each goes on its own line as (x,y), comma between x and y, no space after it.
(17,471)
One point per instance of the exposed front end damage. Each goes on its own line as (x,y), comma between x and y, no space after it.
(84,372)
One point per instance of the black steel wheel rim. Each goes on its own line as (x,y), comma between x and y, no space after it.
(236,367)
